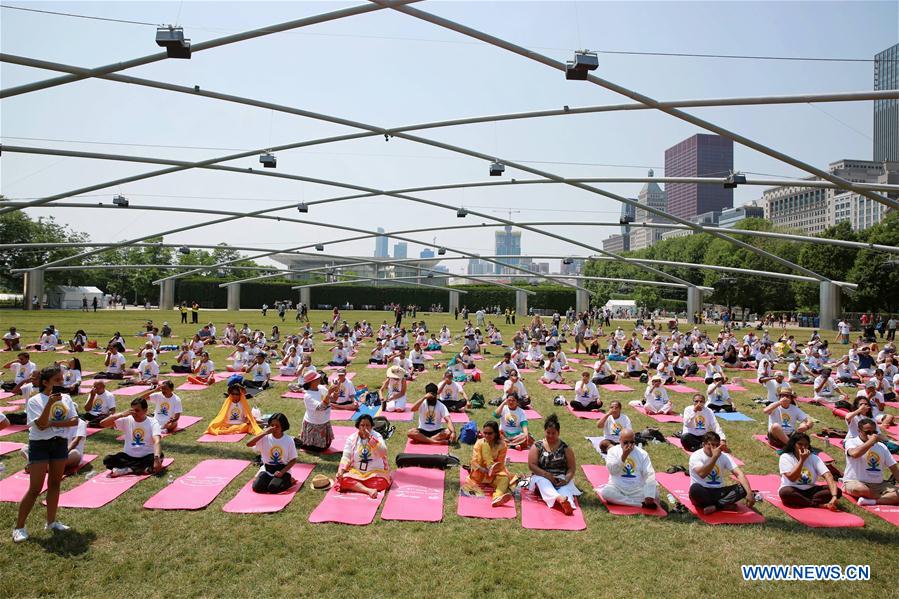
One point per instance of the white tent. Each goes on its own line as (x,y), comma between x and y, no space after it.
(622,307)
(65,297)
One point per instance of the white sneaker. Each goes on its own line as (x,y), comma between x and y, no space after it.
(57,526)
(117,472)
(866,501)
(19,535)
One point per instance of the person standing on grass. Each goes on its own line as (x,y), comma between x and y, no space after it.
(710,468)
(632,479)
(799,470)
(552,465)
(317,432)
(195,313)
(49,416)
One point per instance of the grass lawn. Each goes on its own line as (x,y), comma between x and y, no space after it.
(210,553)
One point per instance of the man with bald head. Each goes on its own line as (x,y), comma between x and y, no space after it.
(632,480)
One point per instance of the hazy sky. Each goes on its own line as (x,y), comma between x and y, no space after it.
(389,69)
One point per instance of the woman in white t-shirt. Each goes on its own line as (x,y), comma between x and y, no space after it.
(799,470)
(393,390)
(50,416)
(317,433)
(516,385)
(166,406)
(204,371)
(611,424)
(655,398)
(586,395)
(278,454)
(241,359)
(71,376)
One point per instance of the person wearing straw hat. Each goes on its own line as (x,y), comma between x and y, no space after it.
(393,390)
(316,434)
(278,454)
(346,391)
(785,418)
(655,398)
(364,465)
(719,396)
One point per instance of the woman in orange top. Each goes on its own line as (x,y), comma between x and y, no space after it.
(488,465)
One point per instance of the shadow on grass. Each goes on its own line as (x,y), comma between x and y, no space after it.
(67,544)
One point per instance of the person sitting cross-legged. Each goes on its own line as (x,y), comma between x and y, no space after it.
(632,479)
(278,453)
(552,464)
(799,470)
(867,460)
(488,465)
(709,469)
(698,420)
(435,427)
(142,452)
(785,418)
(364,466)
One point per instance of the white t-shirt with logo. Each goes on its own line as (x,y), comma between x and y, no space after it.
(22,372)
(276,452)
(138,436)
(630,473)
(788,418)
(260,372)
(236,413)
(104,403)
(718,476)
(316,411)
(431,418)
(813,469)
(148,370)
(585,393)
(512,421)
(165,408)
(612,428)
(116,363)
(61,410)
(450,391)
(869,468)
(346,393)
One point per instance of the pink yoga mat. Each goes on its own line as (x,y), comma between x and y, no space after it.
(558,386)
(284,378)
(5,409)
(130,390)
(9,447)
(480,507)
(405,416)
(183,423)
(13,488)
(517,456)
(248,501)
(192,387)
(680,388)
(341,434)
(235,438)
(890,513)
(676,442)
(735,387)
(333,378)
(430,449)
(695,379)
(599,477)
(346,508)
(415,495)
(660,417)
(615,387)
(525,370)
(536,515)
(199,487)
(18,402)
(679,486)
(532,414)
(585,415)
(575,360)
(5,394)
(459,417)
(337,414)
(813,517)
(13,429)
(175,375)
(379,366)
(293,395)
(101,489)
(764,439)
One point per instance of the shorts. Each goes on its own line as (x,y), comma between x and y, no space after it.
(430,434)
(858,489)
(47,450)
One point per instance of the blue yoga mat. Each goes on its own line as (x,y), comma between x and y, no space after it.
(735,416)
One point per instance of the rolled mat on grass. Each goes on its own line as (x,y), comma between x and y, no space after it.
(247,501)
(813,517)
(473,506)
(415,495)
(599,477)
(101,489)
(199,487)
(679,486)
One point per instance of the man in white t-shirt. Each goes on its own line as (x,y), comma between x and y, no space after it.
(825,388)
(867,461)
(774,385)
(586,395)
(435,427)
(100,403)
(22,369)
(843,328)
(785,418)
(632,479)
(709,469)
(12,340)
(698,420)
(259,372)
(338,355)
(346,391)
(612,424)
(142,452)
(166,406)
(147,372)
(451,394)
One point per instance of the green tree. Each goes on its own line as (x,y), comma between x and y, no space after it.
(17,227)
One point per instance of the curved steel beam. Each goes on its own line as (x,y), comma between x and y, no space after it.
(198,47)
(370,279)
(589,278)
(643,99)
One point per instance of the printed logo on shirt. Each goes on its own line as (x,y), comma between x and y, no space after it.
(235,414)
(616,429)
(58,411)
(164,408)
(630,469)
(700,421)
(805,477)
(137,438)
(511,421)
(872,460)
(430,416)
(714,477)
(785,421)
(275,455)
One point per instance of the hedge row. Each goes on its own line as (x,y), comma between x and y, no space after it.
(252,295)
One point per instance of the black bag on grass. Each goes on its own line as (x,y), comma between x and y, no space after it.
(383,427)
(423,460)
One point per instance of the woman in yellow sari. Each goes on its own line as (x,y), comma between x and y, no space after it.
(488,465)
(235,416)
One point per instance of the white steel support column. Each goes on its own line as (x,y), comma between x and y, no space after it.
(234,297)
(167,295)
(829,306)
(581,300)
(453,303)
(521,303)
(306,297)
(694,302)
(34,287)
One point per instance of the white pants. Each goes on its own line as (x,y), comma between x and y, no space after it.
(396,405)
(549,493)
(633,496)
(288,371)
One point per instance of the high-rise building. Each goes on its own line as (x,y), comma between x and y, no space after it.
(381,250)
(886,112)
(476,266)
(731,217)
(701,155)
(643,237)
(628,215)
(507,243)
(400,250)
(426,253)
(612,243)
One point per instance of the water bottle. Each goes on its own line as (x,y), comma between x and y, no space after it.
(758,497)
(671,500)
(256,413)
(171,479)
(91,474)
